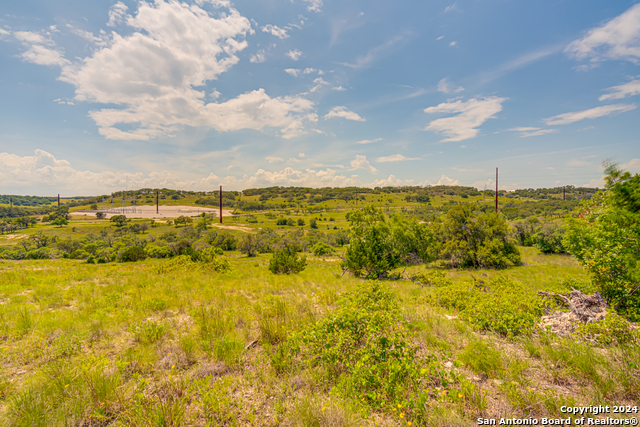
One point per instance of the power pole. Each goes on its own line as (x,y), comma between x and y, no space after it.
(563,188)
(58,200)
(157,208)
(496,190)
(11,201)
(221,204)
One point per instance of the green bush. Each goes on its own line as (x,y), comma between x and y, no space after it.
(613,329)
(321,249)
(133,254)
(365,350)
(286,261)
(503,305)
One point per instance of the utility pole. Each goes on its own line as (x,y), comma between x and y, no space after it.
(221,204)
(58,200)
(11,201)
(563,188)
(157,207)
(496,190)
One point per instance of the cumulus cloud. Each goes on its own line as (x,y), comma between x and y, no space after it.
(150,75)
(445,180)
(292,71)
(526,132)
(294,54)
(631,88)
(272,159)
(606,110)
(344,113)
(471,114)
(395,158)
(632,166)
(319,82)
(361,162)
(392,181)
(44,172)
(618,38)
(117,14)
(444,86)
(274,30)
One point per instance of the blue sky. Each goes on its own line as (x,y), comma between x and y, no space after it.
(105,95)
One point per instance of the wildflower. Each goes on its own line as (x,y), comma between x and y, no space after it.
(460,395)
(323,408)
(402,415)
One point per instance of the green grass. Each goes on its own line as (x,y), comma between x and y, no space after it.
(123,344)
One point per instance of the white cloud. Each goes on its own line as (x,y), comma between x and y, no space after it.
(338,88)
(258,57)
(444,86)
(309,70)
(4,32)
(526,132)
(595,183)
(292,71)
(453,43)
(445,180)
(150,75)
(392,181)
(281,33)
(31,37)
(566,118)
(294,54)
(618,38)
(117,14)
(368,141)
(319,82)
(48,174)
(43,55)
(344,113)
(440,38)
(632,166)
(301,155)
(314,5)
(395,158)
(472,114)
(631,88)
(272,159)
(361,162)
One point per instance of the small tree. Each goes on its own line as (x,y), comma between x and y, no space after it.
(313,224)
(119,220)
(249,245)
(143,227)
(93,207)
(101,215)
(286,261)
(60,222)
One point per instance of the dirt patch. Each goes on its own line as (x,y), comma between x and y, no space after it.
(235,227)
(149,212)
(15,236)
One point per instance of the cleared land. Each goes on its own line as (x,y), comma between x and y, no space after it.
(149,212)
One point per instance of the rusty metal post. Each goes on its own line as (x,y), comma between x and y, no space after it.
(496,190)
(221,204)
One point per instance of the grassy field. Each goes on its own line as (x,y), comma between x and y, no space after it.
(138,345)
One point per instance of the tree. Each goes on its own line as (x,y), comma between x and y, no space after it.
(249,245)
(605,239)
(286,261)
(472,239)
(371,252)
(60,222)
(313,224)
(119,220)
(143,227)
(93,207)
(101,215)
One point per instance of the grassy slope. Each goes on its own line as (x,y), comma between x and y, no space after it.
(120,344)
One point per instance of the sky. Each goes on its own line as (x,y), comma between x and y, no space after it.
(109,95)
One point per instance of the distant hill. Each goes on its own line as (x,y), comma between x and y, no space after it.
(26,200)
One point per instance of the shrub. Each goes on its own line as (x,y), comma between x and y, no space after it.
(155,251)
(503,305)
(549,239)
(133,254)
(366,351)
(613,329)
(321,249)
(286,261)
(472,239)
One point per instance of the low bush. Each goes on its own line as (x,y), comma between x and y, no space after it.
(286,261)
(321,249)
(133,254)
(503,305)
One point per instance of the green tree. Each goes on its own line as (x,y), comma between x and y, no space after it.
(472,239)
(605,239)
(60,222)
(119,220)
(286,261)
